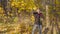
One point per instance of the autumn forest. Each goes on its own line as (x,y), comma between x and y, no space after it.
(16,16)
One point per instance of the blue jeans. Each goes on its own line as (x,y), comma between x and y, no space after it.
(39,28)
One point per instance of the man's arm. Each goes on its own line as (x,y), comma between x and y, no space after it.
(42,16)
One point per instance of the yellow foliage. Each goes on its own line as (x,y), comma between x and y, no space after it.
(13,3)
(19,11)
(32,19)
(1,10)
(23,4)
(5,16)
(34,8)
(16,19)
(25,25)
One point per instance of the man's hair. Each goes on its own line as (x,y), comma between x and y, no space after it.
(39,10)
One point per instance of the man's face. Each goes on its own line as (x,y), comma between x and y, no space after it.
(38,11)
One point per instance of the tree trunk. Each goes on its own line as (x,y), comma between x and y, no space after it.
(47,16)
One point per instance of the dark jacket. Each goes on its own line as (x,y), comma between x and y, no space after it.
(37,18)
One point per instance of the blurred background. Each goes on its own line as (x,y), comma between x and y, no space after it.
(16,16)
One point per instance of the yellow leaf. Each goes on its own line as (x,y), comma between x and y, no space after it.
(19,11)
(16,19)
(32,18)
(34,8)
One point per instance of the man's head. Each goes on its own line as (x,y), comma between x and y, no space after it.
(38,10)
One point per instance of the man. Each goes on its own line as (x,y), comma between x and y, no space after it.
(38,22)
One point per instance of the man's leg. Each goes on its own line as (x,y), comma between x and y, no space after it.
(40,29)
(34,28)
